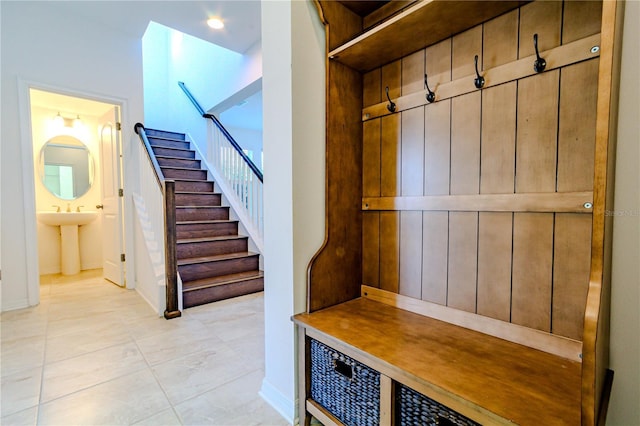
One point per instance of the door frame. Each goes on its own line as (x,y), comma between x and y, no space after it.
(28,176)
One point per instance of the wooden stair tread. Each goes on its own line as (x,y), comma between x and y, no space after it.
(169,157)
(206,239)
(171,147)
(206,222)
(216,258)
(192,180)
(164,138)
(221,280)
(182,168)
(197,193)
(201,207)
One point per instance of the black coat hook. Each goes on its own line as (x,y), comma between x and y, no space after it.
(540,64)
(479,80)
(392,106)
(430,95)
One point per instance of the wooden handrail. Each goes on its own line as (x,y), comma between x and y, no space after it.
(256,171)
(167,187)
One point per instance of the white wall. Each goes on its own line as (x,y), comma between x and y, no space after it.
(624,408)
(210,72)
(293,100)
(90,235)
(43,45)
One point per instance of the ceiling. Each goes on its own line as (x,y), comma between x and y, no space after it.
(242,18)
(67,106)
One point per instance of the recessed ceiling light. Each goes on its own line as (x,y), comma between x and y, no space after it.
(215,23)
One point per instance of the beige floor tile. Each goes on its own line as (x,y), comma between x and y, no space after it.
(26,417)
(164,418)
(236,403)
(59,327)
(152,325)
(121,401)
(250,327)
(70,345)
(21,354)
(197,373)
(20,391)
(74,374)
(171,345)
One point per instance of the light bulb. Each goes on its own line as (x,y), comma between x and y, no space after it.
(215,23)
(58,121)
(77,123)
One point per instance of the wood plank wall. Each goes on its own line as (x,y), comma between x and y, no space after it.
(533,135)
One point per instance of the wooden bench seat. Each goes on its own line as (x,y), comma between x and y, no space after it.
(490,380)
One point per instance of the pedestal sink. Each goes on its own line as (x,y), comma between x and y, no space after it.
(69,247)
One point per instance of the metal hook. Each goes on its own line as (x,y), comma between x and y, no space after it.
(479,80)
(540,64)
(392,106)
(430,95)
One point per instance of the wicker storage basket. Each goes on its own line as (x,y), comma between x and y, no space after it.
(347,389)
(414,409)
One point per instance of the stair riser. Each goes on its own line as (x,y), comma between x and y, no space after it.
(164,134)
(169,144)
(205,213)
(202,230)
(174,162)
(211,248)
(218,268)
(213,294)
(168,152)
(198,199)
(194,186)
(184,174)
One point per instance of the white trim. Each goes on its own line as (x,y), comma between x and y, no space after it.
(29,199)
(283,405)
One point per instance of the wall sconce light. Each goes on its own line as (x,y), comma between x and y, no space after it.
(58,121)
(77,123)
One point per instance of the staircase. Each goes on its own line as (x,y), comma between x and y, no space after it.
(213,260)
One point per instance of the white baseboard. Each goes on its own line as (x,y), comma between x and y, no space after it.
(275,398)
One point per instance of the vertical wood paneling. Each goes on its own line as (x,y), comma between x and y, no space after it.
(389,250)
(465,144)
(572,263)
(391,76)
(413,73)
(371,248)
(532,269)
(581,19)
(543,18)
(537,133)
(577,126)
(435,243)
(463,245)
(371,158)
(437,148)
(494,264)
(465,47)
(371,82)
(500,40)
(410,282)
(498,139)
(497,176)
(390,156)
(438,63)
(412,151)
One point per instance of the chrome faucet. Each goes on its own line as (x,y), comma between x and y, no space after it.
(57,208)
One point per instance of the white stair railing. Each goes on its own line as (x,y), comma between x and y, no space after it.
(235,174)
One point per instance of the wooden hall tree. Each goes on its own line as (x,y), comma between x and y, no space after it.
(467,250)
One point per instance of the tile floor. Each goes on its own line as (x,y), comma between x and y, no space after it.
(95,354)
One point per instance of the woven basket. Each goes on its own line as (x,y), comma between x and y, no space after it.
(413,409)
(347,389)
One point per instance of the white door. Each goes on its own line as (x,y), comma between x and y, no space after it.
(112,201)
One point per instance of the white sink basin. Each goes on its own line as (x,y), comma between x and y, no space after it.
(69,245)
(70,218)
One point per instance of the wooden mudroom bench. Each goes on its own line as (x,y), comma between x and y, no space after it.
(465,274)
(485,378)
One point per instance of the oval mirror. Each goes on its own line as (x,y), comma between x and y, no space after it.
(66,167)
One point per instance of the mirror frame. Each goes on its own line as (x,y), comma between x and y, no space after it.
(74,143)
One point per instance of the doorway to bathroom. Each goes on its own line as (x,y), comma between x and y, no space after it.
(77,166)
